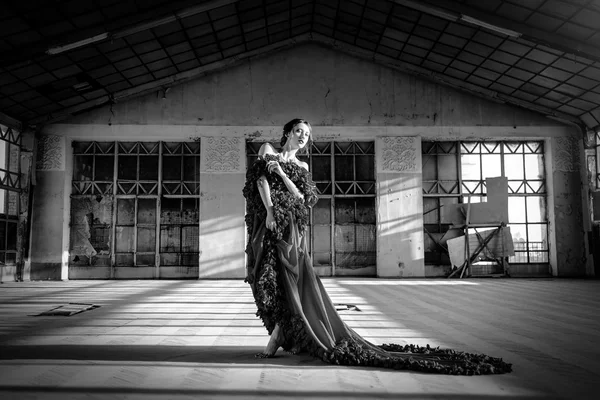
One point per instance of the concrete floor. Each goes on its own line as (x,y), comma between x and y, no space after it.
(196,339)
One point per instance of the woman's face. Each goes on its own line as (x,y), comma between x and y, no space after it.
(299,135)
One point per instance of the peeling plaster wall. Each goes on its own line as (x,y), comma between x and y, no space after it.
(344,98)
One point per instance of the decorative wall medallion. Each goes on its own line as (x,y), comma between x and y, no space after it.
(222,154)
(399,154)
(566,156)
(51,153)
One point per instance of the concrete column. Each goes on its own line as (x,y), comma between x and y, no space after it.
(48,234)
(566,205)
(400,207)
(222,207)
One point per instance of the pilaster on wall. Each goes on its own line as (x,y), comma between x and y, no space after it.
(570,252)
(400,207)
(222,207)
(49,236)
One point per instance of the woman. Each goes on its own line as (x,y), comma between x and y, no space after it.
(291,300)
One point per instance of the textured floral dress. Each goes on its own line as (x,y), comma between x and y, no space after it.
(289,293)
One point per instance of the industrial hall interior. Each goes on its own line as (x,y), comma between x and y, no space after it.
(454,149)
(448,136)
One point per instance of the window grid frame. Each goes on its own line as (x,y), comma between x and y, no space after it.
(528,190)
(113,188)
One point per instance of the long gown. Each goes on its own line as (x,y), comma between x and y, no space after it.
(289,293)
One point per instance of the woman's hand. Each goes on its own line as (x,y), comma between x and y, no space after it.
(270,222)
(274,167)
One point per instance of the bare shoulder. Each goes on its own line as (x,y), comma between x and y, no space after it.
(303,164)
(267,148)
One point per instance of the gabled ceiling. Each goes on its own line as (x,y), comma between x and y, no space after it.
(62,57)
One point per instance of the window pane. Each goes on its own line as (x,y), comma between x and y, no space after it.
(365,210)
(536,209)
(82,168)
(431,212)
(3,235)
(470,166)
(344,211)
(125,211)
(429,168)
(344,168)
(322,238)
(321,168)
(490,165)
(146,239)
(149,168)
(14,157)
(445,201)
(145,259)
(127,167)
(3,159)
(365,168)
(534,166)
(538,233)
(519,235)
(447,168)
(146,211)
(191,169)
(13,202)
(513,166)
(11,236)
(105,166)
(172,168)
(516,209)
(124,239)
(322,212)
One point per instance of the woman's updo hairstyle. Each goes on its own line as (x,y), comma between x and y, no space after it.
(287,129)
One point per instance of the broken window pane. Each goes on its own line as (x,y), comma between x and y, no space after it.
(125,211)
(83,168)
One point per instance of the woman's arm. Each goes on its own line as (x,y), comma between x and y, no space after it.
(275,167)
(265,194)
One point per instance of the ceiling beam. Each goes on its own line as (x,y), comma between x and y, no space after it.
(187,12)
(95,34)
(11,122)
(548,39)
